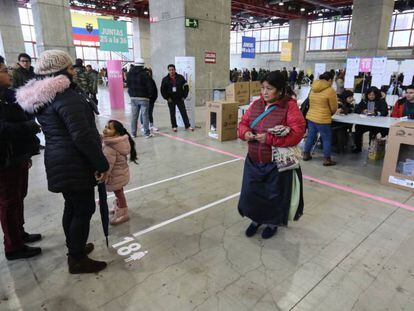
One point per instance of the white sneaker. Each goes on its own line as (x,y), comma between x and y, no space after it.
(154,129)
(149,136)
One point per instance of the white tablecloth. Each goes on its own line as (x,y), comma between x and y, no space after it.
(353,118)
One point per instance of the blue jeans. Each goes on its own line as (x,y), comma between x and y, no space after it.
(326,134)
(138,105)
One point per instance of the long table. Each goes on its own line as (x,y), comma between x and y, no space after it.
(353,118)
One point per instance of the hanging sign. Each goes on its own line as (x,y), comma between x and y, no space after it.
(379,66)
(248,47)
(115,84)
(365,64)
(320,68)
(185,66)
(113,35)
(191,23)
(286,52)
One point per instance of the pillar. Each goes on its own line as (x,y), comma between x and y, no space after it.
(370,28)
(53,25)
(297,36)
(11,36)
(170,38)
(142,41)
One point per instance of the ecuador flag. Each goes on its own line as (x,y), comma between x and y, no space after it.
(85,27)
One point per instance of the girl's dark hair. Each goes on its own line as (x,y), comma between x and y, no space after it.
(375,90)
(327,75)
(277,80)
(345,94)
(121,130)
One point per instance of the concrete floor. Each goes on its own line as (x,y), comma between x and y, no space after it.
(348,252)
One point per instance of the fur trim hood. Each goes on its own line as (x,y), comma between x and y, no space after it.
(118,143)
(37,93)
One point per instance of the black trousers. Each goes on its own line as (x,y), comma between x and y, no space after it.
(79,208)
(373,131)
(181,106)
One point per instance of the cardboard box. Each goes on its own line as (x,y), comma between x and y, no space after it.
(255,88)
(221,121)
(398,169)
(238,92)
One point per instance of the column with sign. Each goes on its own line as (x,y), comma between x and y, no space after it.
(113,37)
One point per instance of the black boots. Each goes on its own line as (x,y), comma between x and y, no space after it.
(25,252)
(85,265)
(31,238)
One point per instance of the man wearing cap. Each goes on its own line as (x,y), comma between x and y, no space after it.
(140,89)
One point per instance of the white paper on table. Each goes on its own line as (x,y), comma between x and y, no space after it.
(352,66)
(349,81)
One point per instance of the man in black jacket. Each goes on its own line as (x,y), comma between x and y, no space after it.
(174,89)
(140,89)
(23,72)
(18,143)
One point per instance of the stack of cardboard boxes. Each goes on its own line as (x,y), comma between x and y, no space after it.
(398,169)
(222,116)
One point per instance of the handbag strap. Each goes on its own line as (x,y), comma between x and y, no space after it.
(262,115)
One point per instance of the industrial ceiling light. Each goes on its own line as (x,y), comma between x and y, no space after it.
(302,9)
(113,7)
(281,3)
(145,12)
(320,14)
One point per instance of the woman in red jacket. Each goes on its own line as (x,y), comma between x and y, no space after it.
(266,193)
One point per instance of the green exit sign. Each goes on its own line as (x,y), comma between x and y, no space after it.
(337,18)
(191,22)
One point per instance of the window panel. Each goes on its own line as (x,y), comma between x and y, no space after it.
(392,22)
(24,17)
(79,52)
(233,37)
(115,56)
(341,27)
(401,38)
(284,33)
(28,47)
(264,47)
(232,48)
(412,38)
(265,35)
(404,21)
(274,33)
(104,55)
(238,47)
(390,39)
(239,37)
(29,12)
(130,42)
(26,33)
(328,28)
(256,34)
(32,32)
(327,43)
(340,42)
(316,29)
(314,43)
(129,28)
(273,46)
(89,53)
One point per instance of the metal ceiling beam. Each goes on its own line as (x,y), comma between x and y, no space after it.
(321,4)
(261,9)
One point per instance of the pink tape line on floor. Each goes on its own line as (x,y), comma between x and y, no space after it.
(310,178)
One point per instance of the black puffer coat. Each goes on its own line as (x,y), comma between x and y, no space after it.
(181,85)
(139,83)
(73,147)
(18,141)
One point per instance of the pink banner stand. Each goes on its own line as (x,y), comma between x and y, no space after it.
(115,84)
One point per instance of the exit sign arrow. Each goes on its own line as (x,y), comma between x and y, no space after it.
(191,22)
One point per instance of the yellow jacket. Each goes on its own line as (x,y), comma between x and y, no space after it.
(323,102)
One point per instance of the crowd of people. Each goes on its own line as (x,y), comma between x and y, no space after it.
(62,96)
(59,98)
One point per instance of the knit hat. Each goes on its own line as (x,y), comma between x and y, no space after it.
(52,61)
